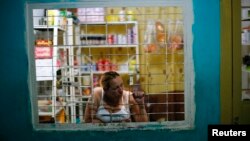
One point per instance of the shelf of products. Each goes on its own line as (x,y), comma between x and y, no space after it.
(245,41)
(104,46)
(51,46)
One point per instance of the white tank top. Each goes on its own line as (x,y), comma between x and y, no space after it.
(121,115)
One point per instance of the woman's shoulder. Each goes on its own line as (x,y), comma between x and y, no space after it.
(97,92)
(97,89)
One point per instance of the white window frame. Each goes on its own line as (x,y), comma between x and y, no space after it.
(188,123)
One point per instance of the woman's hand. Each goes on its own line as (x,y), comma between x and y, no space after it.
(139,96)
(138,109)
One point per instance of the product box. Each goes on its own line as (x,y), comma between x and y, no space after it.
(43,49)
(53,17)
(38,14)
(91,14)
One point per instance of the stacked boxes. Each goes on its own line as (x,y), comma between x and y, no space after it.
(91,14)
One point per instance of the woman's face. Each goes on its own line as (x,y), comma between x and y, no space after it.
(116,88)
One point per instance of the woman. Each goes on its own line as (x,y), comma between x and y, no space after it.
(111,103)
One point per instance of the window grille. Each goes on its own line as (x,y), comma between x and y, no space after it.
(72,47)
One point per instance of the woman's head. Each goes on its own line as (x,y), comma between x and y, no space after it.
(113,87)
(107,78)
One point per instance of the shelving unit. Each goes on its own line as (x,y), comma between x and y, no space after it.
(47,68)
(99,47)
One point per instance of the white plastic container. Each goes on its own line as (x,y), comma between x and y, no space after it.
(122,14)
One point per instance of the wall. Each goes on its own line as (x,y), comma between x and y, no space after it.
(15,119)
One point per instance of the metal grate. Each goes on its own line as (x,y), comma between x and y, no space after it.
(74,47)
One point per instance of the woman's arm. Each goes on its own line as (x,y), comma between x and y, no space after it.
(138,110)
(90,112)
(91,108)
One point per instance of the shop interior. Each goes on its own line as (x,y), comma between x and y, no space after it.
(73,47)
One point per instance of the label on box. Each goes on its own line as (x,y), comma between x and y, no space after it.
(43,52)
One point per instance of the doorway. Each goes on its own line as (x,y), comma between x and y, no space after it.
(233,108)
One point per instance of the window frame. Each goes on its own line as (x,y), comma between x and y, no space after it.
(188,123)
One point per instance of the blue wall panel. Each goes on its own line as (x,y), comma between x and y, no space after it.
(15,119)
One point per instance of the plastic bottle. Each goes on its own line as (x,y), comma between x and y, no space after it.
(122,14)
(246,37)
(111,17)
(130,15)
(100,63)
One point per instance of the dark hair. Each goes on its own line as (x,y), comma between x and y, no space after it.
(107,77)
